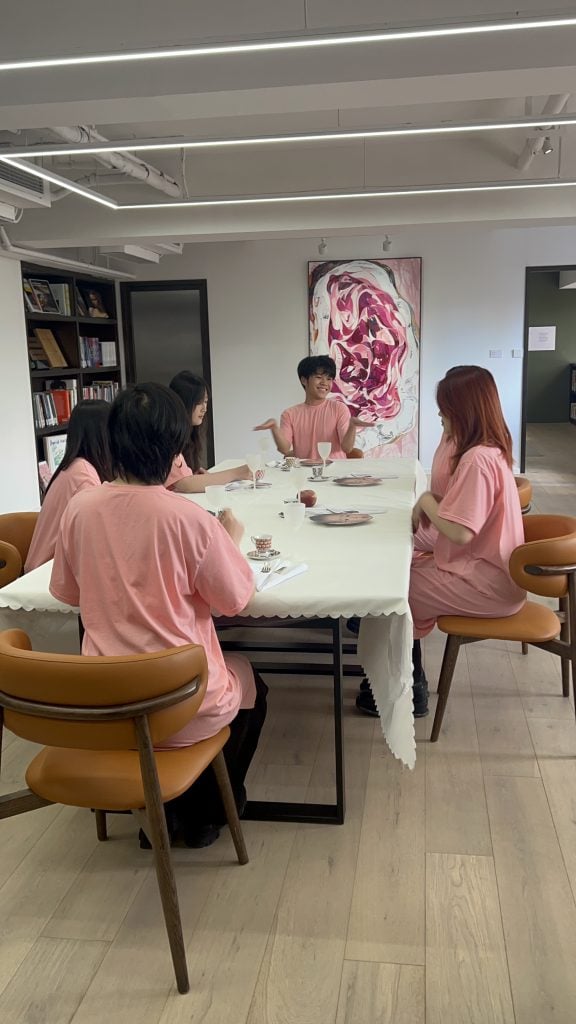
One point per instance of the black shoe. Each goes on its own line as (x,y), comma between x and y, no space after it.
(364,685)
(201,836)
(420,697)
(365,702)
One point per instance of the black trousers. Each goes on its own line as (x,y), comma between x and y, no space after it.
(201,804)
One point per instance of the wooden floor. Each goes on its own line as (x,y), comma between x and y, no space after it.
(448,897)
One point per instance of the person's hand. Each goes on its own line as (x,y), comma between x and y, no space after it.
(267,425)
(234,528)
(416,517)
(244,473)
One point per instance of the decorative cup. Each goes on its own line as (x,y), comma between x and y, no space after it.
(290,461)
(262,542)
(317,472)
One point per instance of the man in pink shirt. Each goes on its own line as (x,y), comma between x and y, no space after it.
(318,418)
(147,567)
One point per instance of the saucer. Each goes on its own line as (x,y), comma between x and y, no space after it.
(341,519)
(357,481)
(317,479)
(264,557)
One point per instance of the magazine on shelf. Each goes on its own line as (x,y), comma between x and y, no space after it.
(31,302)
(94,303)
(50,346)
(44,476)
(54,448)
(44,295)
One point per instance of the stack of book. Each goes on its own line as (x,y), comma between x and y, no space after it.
(54,405)
(105,390)
(96,353)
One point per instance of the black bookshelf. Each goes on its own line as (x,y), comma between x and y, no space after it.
(572,402)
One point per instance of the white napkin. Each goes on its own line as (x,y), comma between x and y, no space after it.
(266,580)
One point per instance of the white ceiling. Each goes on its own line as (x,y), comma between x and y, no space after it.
(371,86)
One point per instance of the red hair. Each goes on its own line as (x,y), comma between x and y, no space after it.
(468,398)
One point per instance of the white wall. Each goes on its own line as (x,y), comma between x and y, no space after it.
(18,469)
(473,301)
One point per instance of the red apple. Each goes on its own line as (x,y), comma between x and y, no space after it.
(308,498)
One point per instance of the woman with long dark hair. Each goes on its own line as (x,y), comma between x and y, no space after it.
(86,463)
(187,473)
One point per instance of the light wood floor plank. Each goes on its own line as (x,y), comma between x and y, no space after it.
(466,971)
(504,739)
(374,993)
(538,909)
(50,982)
(387,912)
(559,778)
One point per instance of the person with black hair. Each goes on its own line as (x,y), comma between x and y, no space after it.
(317,418)
(146,567)
(187,475)
(86,463)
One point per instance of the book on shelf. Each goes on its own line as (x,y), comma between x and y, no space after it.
(51,347)
(104,390)
(61,293)
(44,295)
(30,300)
(108,352)
(573,380)
(54,448)
(94,303)
(573,410)
(81,308)
(44,476)
(37,355)
(95,353)
(45,414)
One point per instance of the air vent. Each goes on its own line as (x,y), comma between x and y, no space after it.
(23,188)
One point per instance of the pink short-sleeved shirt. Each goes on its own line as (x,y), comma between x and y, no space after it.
(304,425)
(426,535)
(179,471)
(482,495)
(147,567)
(79,476)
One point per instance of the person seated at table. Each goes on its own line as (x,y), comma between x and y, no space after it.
(478,520)
(317,418)
(187,475)
(86,463)
(146,567)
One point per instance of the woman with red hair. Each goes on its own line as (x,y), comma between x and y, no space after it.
(478,518)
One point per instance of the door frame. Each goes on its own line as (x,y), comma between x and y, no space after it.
(555,268)
(192,285)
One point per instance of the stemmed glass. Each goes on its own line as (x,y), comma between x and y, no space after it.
(294,514)
(254,462)
(299,475)
(324,449)
(216,497)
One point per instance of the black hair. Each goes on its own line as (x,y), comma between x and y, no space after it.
(316,364)
(192,389)
(148,427)
(88,438)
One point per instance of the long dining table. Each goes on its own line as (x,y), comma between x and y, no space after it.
(344,571)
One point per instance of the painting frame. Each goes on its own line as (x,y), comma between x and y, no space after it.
(365,312)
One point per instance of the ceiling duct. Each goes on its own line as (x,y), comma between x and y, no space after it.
(22,189)
(124,162)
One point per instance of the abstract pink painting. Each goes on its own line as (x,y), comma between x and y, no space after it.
(366,315)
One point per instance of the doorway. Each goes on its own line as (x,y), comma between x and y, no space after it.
(548,398)
(165,331)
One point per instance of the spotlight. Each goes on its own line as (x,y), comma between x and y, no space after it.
(323,246)
(386,243)
(547,147)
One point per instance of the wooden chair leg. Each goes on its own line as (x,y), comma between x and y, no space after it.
(446,674)
(565,635)
(524,648)
(158,835)
(223,780)
(101,829)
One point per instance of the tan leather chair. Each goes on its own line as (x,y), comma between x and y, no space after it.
(100,726)
(16,529)
(524,493)
(544,565)
(355,453)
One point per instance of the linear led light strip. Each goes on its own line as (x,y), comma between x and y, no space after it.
(312,197)
(301,43)
(133,146)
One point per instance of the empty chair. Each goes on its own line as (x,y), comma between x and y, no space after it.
(16,529)
(100,719)
(544,565)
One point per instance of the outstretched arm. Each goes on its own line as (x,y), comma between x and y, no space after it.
(348,439)
(280,440)
(198,482)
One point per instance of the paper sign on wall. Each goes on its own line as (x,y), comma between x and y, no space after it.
(541,339)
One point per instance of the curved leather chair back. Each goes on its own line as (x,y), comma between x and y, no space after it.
(550,541)
(10,563)
(524,491)
(355,453)
(17,528)
(78,682)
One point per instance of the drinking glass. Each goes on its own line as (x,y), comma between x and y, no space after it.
(299,475)
(216,497)
(254,462)
(324,449)
(294,514)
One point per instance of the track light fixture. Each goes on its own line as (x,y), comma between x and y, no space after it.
(547,146)
(323,246)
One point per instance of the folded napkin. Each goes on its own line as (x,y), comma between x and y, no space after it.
(266,580)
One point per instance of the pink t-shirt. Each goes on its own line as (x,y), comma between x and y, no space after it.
(304,425)
(483,496)
(179,471)
(426,535)
(147,567)
(79,476)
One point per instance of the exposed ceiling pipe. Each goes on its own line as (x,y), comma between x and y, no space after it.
(124,162)
(533,145)
(15,252)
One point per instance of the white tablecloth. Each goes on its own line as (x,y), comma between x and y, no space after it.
(359,570)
